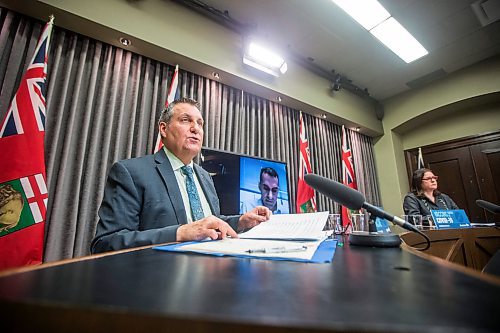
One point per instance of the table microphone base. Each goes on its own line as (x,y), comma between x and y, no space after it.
(364,238)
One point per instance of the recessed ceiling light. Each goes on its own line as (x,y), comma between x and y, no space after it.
(125,41)
(399,40)
(368,13)
(376,19)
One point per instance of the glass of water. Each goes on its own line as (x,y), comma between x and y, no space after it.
(415,220)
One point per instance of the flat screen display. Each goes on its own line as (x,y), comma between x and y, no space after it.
(243,182)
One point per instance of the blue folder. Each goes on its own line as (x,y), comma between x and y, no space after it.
(324,253)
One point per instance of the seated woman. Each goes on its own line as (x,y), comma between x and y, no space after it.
(425,196)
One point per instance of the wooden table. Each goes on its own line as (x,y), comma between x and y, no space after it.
(469,247)
(363,290)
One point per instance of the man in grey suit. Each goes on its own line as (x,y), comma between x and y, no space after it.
(158,198)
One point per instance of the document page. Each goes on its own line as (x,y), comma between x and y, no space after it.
(287,236)
(256,248)
(290,227)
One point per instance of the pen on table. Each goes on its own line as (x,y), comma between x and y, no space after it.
(278,249)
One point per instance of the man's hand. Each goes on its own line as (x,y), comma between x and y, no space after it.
(210,226)
(254,217)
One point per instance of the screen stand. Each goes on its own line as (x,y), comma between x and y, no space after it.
(372,238)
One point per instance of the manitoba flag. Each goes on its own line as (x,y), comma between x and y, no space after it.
(348,176)
(172,96)
(306,202)
(23,190)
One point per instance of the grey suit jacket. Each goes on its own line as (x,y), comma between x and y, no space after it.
(142,204)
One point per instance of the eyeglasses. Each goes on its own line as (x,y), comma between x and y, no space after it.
(431,178)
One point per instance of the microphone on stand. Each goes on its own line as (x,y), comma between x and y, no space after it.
(355,200)
(490,207)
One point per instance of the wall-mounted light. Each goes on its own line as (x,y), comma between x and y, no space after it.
(323,115)
(125,41)
(216,75)
(278,98)
(261,58)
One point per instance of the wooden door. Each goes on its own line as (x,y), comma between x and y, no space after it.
(486,157)
(457,179)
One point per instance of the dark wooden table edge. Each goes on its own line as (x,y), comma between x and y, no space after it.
(23,269)
(469,271)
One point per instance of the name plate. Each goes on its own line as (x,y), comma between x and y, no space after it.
(449,219)
(382,225)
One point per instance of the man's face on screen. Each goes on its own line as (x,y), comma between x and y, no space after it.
(269,188)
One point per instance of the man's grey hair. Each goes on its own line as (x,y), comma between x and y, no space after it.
(168,112)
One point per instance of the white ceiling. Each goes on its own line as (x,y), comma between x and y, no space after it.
(318,29)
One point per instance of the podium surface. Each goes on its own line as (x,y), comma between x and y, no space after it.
(362,290)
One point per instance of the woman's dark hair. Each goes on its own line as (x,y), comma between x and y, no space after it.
(416,182)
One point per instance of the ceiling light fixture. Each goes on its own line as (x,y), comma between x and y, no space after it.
(263,59)
(399,40)
(368,13)
(376,19)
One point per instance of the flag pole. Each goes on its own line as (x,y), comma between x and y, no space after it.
(420,159)
(171,96)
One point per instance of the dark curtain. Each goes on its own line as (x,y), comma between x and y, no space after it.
(103,104)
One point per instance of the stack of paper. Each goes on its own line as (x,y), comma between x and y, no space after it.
(290,226)
(283,236)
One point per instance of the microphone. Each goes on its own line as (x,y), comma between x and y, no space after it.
(490,207)
(355,200)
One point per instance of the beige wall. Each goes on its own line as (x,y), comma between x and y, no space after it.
(463,104)
(476,119)
(174,34)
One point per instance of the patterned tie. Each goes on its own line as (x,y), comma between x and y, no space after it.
(194,199)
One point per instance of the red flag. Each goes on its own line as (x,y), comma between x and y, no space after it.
(172,95)
(23,190)
(306,202)
(348,176)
